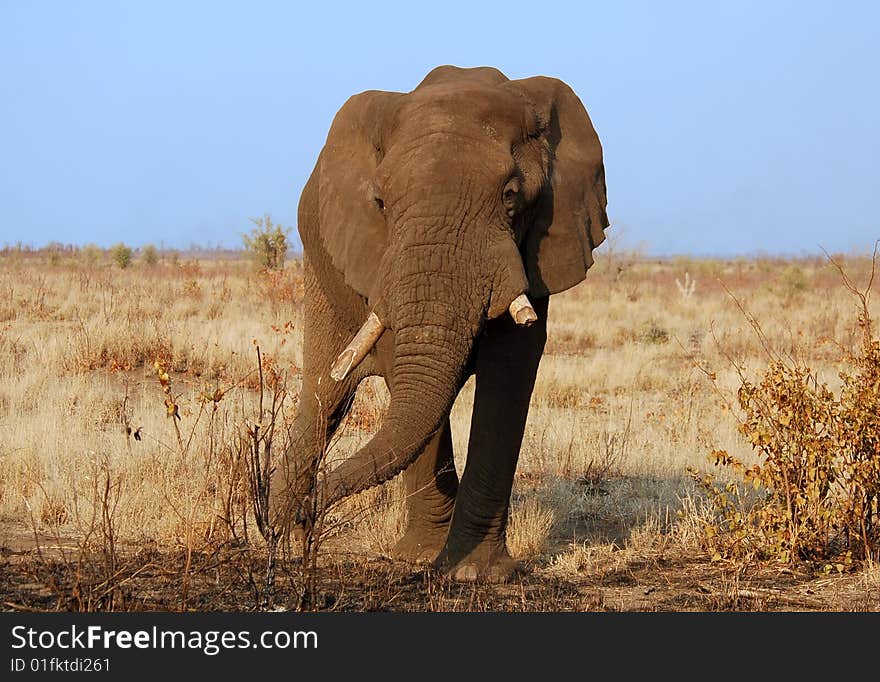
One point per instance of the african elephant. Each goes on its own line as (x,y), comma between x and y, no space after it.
(435,225)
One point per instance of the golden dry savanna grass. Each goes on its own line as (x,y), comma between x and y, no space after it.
(603,511)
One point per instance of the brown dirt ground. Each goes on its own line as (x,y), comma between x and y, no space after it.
(51,575)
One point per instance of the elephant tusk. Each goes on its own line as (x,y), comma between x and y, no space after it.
(522,312)
(358,348)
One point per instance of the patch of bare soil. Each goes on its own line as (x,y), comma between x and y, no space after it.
(58,576)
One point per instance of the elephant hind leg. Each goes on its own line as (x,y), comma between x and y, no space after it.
(431,485)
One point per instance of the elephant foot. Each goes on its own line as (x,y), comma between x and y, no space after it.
(487,562)
(420,545)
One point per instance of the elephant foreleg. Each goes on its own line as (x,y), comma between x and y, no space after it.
(506,366)
(319,413)
(323,403)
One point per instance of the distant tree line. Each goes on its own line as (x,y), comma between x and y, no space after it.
(267,245)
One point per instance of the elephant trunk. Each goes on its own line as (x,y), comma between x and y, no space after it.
(436,317)
(431,356)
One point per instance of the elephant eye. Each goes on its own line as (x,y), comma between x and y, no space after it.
(379,204)
(510,196)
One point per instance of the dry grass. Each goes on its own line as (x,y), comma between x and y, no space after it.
(621,408)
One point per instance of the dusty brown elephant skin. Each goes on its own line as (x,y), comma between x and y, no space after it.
(428,216)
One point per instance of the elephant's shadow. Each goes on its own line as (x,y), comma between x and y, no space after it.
(610,511)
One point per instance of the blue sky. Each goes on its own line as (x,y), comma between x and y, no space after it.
(728,128)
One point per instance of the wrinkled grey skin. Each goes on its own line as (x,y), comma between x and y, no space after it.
(435,209)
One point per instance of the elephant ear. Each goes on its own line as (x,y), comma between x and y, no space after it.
(352,229)
(569,218)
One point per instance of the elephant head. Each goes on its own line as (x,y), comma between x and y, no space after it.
(443,208)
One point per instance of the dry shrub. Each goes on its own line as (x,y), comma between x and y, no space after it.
(583,558)
(150,255)
(267,243)
(528,530)
(377,517)
(121,255)
(570,340)
(818,478)
(280,286)
(565,396)
(51,508)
